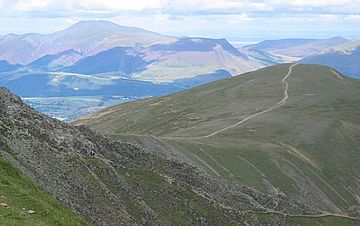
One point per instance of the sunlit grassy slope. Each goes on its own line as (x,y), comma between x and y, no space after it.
(22,202)
(308,148)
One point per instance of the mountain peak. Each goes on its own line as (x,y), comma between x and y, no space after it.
(198,44)
(101,25)
(86,23)
(338,38)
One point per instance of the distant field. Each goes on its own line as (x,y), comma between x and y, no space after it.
(69,108)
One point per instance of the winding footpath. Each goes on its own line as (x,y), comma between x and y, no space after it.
(277,105)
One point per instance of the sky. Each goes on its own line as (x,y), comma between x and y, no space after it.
(239,21)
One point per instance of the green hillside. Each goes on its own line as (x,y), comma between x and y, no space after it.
(22,202)
(114,182)
(245,129)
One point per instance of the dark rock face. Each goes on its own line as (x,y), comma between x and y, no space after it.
(113,183)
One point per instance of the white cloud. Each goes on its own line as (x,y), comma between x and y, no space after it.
(31,5)
(353,18)
(329,17)
(266,5)
(189,6)
(135,5)
(215,6)
(91,5)
(318,6)
(196,16)
(312,3)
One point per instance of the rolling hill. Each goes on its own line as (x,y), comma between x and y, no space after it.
(114,182)
(118,60)
(52,62)
(344,58)
(190,57)
(263,57)
(185,58)
(5,66)
(285,129)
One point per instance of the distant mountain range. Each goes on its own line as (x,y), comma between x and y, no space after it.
(96,47)
(86,37)
(296,48)
(337,52)
(102,58)
(345,58)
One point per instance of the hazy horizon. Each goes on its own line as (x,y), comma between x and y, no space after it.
(243,22)
(239,41)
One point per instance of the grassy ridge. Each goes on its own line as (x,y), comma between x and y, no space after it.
(309,148)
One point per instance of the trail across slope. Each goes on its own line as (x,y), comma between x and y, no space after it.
(277,105)
(337,74)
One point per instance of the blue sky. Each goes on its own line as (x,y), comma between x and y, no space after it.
(241,21)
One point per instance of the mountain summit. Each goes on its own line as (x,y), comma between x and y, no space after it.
(86,37)
(103,26)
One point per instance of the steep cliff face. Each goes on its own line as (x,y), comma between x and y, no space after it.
(111,182)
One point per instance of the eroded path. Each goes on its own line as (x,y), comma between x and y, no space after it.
(273,107)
